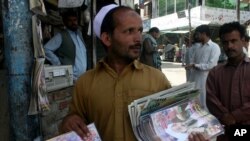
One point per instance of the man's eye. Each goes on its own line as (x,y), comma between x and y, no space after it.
(130,30)
(140,30)
(225,43)
(234,41)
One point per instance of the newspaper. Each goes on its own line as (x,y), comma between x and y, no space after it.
(38,101)
(172,115)
(72,136)
(136,107)
(38,7)
(69,3)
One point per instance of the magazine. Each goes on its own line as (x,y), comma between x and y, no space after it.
(72,136)
(172,115)
(142,105)
(180,120)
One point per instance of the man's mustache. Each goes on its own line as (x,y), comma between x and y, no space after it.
(231,50)
(138,45)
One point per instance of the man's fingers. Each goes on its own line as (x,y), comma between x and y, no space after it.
(82,130)
(196,137)
(75,123)
(200,137)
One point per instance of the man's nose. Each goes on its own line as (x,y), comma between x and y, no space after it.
(138,37)
(230,45)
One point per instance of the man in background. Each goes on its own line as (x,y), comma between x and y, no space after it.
(205,57)
(190,48)
(150,55)
(246,45)
(228,85)
(68,47)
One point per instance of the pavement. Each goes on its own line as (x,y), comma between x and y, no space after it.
(174,72)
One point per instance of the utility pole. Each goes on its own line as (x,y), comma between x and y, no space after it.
(189,21)
(19,58)
(238,10)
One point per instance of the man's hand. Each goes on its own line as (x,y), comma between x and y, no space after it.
(190,66)
(75,123)
(228,119)
(196,137)
(161,46)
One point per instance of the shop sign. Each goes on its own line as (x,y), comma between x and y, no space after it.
(221,16)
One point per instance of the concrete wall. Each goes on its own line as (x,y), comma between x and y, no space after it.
(59,103)
(50,120)
(4,113)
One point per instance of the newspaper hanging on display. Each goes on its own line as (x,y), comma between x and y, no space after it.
(172,115)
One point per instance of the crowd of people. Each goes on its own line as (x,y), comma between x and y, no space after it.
(225,85)
(131,69)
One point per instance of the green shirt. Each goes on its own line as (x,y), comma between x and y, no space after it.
(102,96)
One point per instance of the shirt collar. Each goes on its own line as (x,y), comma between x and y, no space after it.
(209,42)
(135,64)
(72,32)
(245,60)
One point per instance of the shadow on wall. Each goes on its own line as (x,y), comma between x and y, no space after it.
(4,116)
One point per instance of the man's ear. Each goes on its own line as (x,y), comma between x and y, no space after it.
(106,39)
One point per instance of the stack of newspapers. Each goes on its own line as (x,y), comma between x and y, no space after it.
(172,115)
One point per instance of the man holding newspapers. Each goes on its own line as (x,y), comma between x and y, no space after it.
(101,95)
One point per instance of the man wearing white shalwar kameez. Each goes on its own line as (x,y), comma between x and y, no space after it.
(205,57)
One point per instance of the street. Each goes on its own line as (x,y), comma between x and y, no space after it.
(175,73)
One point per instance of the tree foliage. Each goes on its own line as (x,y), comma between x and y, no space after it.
(220,4)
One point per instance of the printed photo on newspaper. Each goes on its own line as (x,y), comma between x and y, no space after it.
(172,115)
(179,121)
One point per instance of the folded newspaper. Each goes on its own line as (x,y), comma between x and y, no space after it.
(72,136)
(172,115)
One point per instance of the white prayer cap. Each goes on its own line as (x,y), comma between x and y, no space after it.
(100,16)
